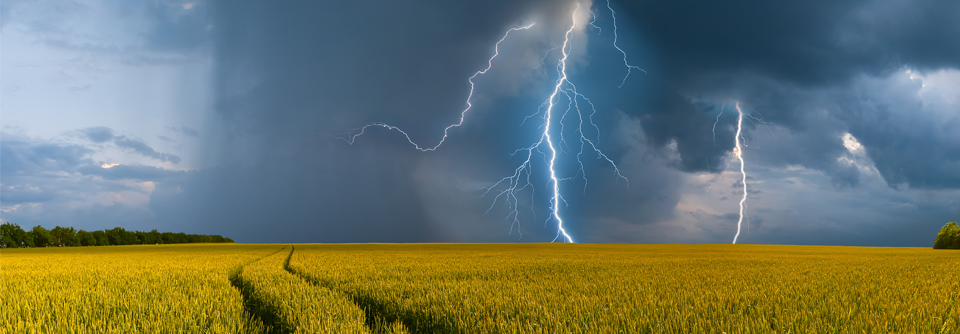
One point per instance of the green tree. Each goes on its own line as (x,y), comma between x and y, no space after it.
(153,237)
(141,237)
(15,235)
(86,238)
(115,235)
(12,236)
(27,240)
(948,237)
(6,235)
(65,236)
(42,237)
(101,237)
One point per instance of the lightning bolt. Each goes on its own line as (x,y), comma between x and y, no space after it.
(629,67)
(739,153)
(715,124)
(549,146)
(520,179)
(594,22)
(352,134)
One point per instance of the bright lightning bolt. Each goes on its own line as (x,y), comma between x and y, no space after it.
(629,67)
(739,151)
(352,135)
(555,201)
(520,179)
(507,188)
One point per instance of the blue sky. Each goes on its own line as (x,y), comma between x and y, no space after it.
(224,117)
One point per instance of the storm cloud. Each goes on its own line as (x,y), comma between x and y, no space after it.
(293,77)
(853,112)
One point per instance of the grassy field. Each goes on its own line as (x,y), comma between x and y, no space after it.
(481,288)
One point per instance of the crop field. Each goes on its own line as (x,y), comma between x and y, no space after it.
(125,289)
(480,288)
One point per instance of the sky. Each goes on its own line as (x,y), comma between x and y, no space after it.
(235,118)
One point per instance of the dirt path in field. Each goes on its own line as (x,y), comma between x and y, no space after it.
(380,314)
(254,307)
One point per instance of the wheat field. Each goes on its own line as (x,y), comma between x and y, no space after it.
(125,289)
(480,288)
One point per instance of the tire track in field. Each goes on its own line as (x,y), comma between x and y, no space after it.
(253,306)
(378,313)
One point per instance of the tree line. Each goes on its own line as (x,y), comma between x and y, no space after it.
(12,236)
(948,238)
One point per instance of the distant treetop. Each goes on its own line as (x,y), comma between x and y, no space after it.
(12,236)
(948,238)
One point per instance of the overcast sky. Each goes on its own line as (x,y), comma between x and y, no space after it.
(227,117)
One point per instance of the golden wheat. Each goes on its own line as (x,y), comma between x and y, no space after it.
(125,289)
(289,304)
(561,288)
(471,288)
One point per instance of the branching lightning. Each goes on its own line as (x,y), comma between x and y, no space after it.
(352,135)
(551,142)
(739,153)
(509,186)
(629,67)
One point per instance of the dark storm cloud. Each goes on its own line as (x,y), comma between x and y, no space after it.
(791,62)
(291,76)
(808,43)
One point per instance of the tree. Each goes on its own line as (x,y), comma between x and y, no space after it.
(101,238)
(17,236)
(86,238)
(28,239)
(948,238)
(115,235)
(6,236)
(11,235)
(42,237)
(153,237)
(65,236)
(141,237)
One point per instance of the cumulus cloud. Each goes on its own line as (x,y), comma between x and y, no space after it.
(104,134)
(48,182)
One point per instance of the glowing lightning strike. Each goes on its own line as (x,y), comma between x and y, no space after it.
(352,134)
(546,130)
(520,180)
(507,188)
(739,151)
